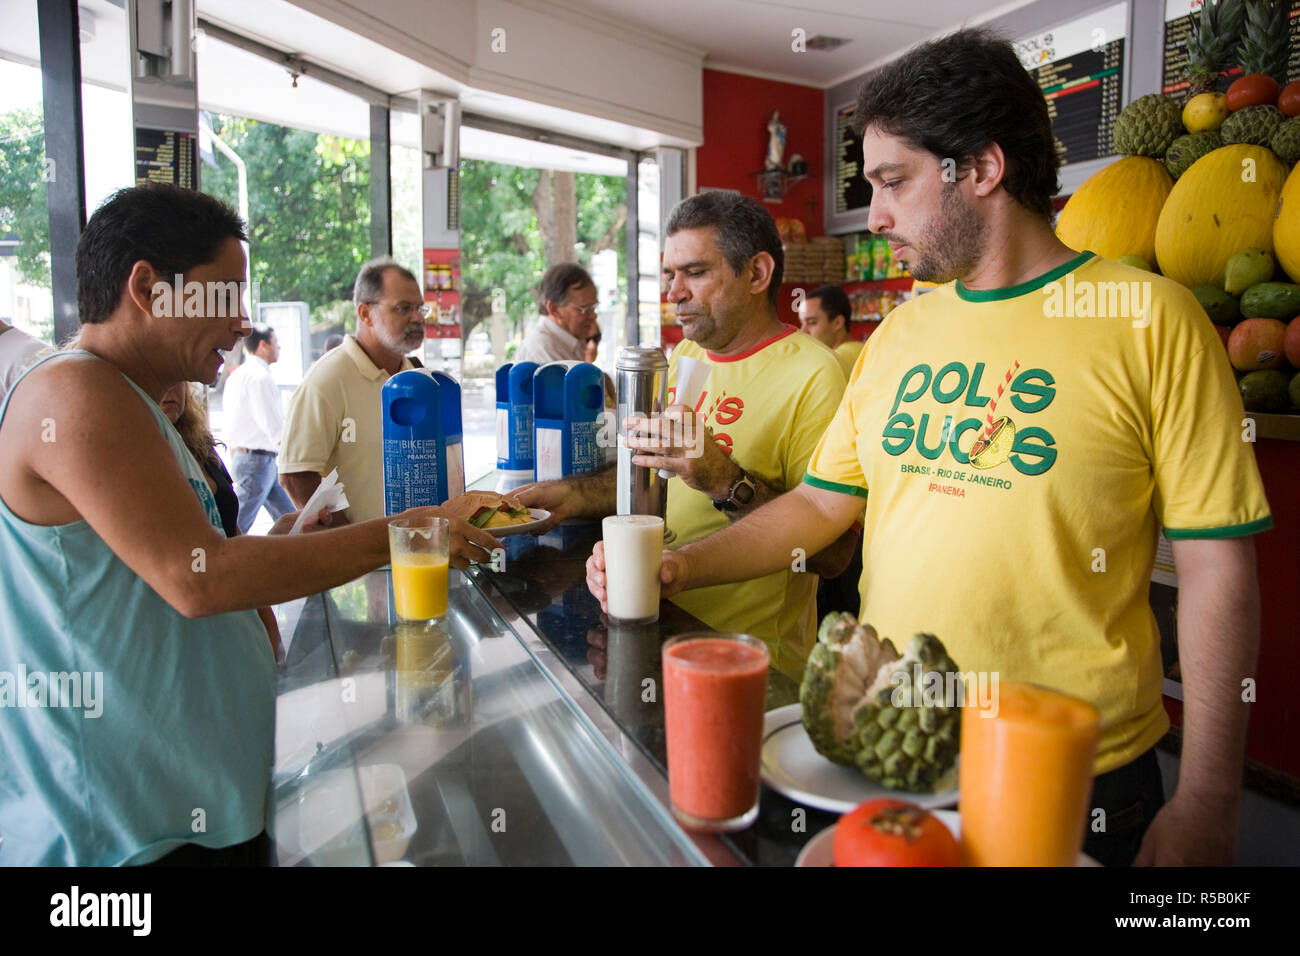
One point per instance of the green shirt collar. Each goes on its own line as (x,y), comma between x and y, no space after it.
(1010,292)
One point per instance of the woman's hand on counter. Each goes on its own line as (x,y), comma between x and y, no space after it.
(672,575)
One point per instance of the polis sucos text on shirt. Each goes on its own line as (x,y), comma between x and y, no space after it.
(1032,450)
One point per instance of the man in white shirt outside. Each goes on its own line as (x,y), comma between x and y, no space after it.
(567,300)
(254,424)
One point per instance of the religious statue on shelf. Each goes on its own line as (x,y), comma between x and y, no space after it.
(775,143)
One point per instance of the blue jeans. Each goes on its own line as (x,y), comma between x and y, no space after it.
(257,484)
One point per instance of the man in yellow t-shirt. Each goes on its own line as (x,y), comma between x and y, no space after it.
(824,314)
(769,396)
(335,417)
(1018,434)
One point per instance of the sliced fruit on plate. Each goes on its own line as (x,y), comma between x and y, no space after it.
(889,832)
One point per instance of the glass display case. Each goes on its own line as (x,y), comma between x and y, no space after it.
(446,745)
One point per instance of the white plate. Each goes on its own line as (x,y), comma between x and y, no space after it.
(537,514)
(819,850)
(793,767)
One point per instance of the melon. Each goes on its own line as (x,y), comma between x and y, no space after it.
(1286,227)
(1291,342)
(1114,212)
(1225,202)
(1257,344)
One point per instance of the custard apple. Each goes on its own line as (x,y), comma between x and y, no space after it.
(1186,150)
(1286,140)
(1252,124)
(1147,126)
(890,715)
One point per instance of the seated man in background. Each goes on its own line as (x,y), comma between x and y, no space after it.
(118,577)
(567,300)
(770,395)
(824,314)
(335,417)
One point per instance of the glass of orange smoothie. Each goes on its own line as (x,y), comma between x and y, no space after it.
(715,686)
(419,551)
(1026,777)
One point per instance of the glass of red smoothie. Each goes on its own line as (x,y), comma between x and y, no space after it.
(715,686)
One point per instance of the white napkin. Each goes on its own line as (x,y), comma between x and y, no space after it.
(691,376)
(328,494)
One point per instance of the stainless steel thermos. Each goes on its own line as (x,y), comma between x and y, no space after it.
(642,387)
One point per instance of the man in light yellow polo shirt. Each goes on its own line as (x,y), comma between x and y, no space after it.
(335,418)
(824,314)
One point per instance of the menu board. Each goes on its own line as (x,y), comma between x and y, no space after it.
(851,190)
(1079,67)
(1179,17)
(165,156)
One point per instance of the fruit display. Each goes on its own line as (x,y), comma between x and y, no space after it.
(1207,192)
(891,715)
(1137,185)
(889,832)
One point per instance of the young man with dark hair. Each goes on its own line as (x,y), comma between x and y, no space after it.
(1023,431)
(119,585)
(254,427)
(769,396)
(824,314)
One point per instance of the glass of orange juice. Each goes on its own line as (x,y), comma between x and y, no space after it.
(418,547)
(1026,777)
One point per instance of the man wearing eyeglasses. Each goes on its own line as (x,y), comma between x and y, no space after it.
(567,300)
(335,417)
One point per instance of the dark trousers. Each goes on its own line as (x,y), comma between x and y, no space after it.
(258,851)
(1130,795)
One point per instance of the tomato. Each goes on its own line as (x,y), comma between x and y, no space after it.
(889,832)
(1253,89)
(1289,100)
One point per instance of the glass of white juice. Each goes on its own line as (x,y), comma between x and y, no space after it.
(634,547)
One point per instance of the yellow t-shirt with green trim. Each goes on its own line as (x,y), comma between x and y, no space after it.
(848,352)
(1021,447)
(767,409)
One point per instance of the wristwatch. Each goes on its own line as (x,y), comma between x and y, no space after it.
(741,493)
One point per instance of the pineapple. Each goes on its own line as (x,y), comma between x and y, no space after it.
(1212,43)
(1264,34)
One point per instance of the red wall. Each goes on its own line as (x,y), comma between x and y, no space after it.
(1275,715)
(736,111)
